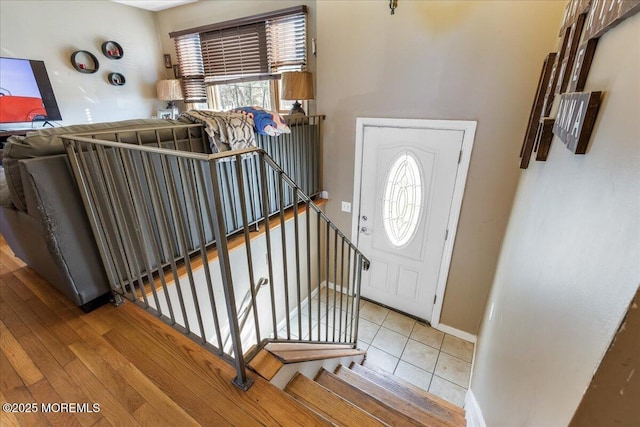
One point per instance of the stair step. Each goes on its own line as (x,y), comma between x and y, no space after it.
(423,399)
(370,404)
(294,356)
(265,364)
(328,404)
(422,414)
(286,346)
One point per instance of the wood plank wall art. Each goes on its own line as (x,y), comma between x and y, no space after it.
(564,74)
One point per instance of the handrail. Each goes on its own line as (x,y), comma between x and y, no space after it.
(153,208)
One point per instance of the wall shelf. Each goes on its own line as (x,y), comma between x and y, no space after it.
(84,62)
(112,49)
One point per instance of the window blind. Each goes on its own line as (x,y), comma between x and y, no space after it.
(235,52)
(255,47)
(191,67)
(287,43)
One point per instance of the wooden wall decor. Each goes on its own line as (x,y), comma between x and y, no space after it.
(583,23)
(576,116)
(581,65)
(544,138)
(569,54)
(571,13)
(606,14)
(536,110)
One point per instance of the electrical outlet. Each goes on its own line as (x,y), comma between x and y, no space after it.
(346,207)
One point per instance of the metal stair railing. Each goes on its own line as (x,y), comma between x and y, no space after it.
(158,216)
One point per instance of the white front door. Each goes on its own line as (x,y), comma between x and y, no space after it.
(403,205)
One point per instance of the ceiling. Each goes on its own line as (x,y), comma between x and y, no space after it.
(154,5)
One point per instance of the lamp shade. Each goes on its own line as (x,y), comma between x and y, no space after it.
(169,90)
(297,85)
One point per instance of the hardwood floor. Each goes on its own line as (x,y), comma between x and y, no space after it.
(136,369)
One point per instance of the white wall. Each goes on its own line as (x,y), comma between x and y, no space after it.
(52,30)
(570,263)
(476,60)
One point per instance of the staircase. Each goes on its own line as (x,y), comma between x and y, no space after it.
(354,393)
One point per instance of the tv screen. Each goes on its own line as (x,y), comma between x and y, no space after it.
(25,92)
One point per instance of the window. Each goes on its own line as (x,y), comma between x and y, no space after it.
(239,62)
(402,200)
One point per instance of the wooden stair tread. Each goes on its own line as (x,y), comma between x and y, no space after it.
(429,416)
(363,400)
(265,364)
(294,356)
(286,346)
(410,392)
(328,404)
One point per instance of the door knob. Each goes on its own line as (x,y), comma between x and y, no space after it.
(364,217)
(365,231)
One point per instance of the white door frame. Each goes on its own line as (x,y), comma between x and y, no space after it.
(469,130)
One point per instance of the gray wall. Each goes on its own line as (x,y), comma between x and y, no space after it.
(570,262)
(438,60)
(52,31)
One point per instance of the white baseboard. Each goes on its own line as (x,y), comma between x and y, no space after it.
(456,332)
(473,413)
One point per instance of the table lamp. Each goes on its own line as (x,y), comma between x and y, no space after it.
(170,90)
(296,86)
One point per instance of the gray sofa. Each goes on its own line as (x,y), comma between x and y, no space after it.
(42,217)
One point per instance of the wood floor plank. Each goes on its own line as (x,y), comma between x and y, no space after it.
(12,320)
(7,419)
(110,406)
(43,393)
(24,310)
(9,378)
(18,358)
(63,384)
(109,379)
(101,346)
(161,374)
(333,407)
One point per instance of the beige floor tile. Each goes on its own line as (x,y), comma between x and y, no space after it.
(420,355)
(456,347)
(367,330)
(381,359)
(374,313)
(448,391)
(427,335)
(453,369)
(363,345)
(399,323)
(314,309)
(414,375)
(389,341)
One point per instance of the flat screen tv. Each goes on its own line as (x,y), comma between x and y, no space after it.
(26,94)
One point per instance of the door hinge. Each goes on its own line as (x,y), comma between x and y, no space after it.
(435,298)
(460,157)
(446,234)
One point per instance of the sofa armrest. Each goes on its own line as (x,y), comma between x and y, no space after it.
(54,203)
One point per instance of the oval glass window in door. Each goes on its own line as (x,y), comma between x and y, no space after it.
(402,203)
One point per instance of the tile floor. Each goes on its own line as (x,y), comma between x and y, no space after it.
(432,360)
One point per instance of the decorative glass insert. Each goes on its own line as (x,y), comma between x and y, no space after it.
(402,199)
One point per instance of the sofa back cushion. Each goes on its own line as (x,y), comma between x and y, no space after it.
(48,141)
